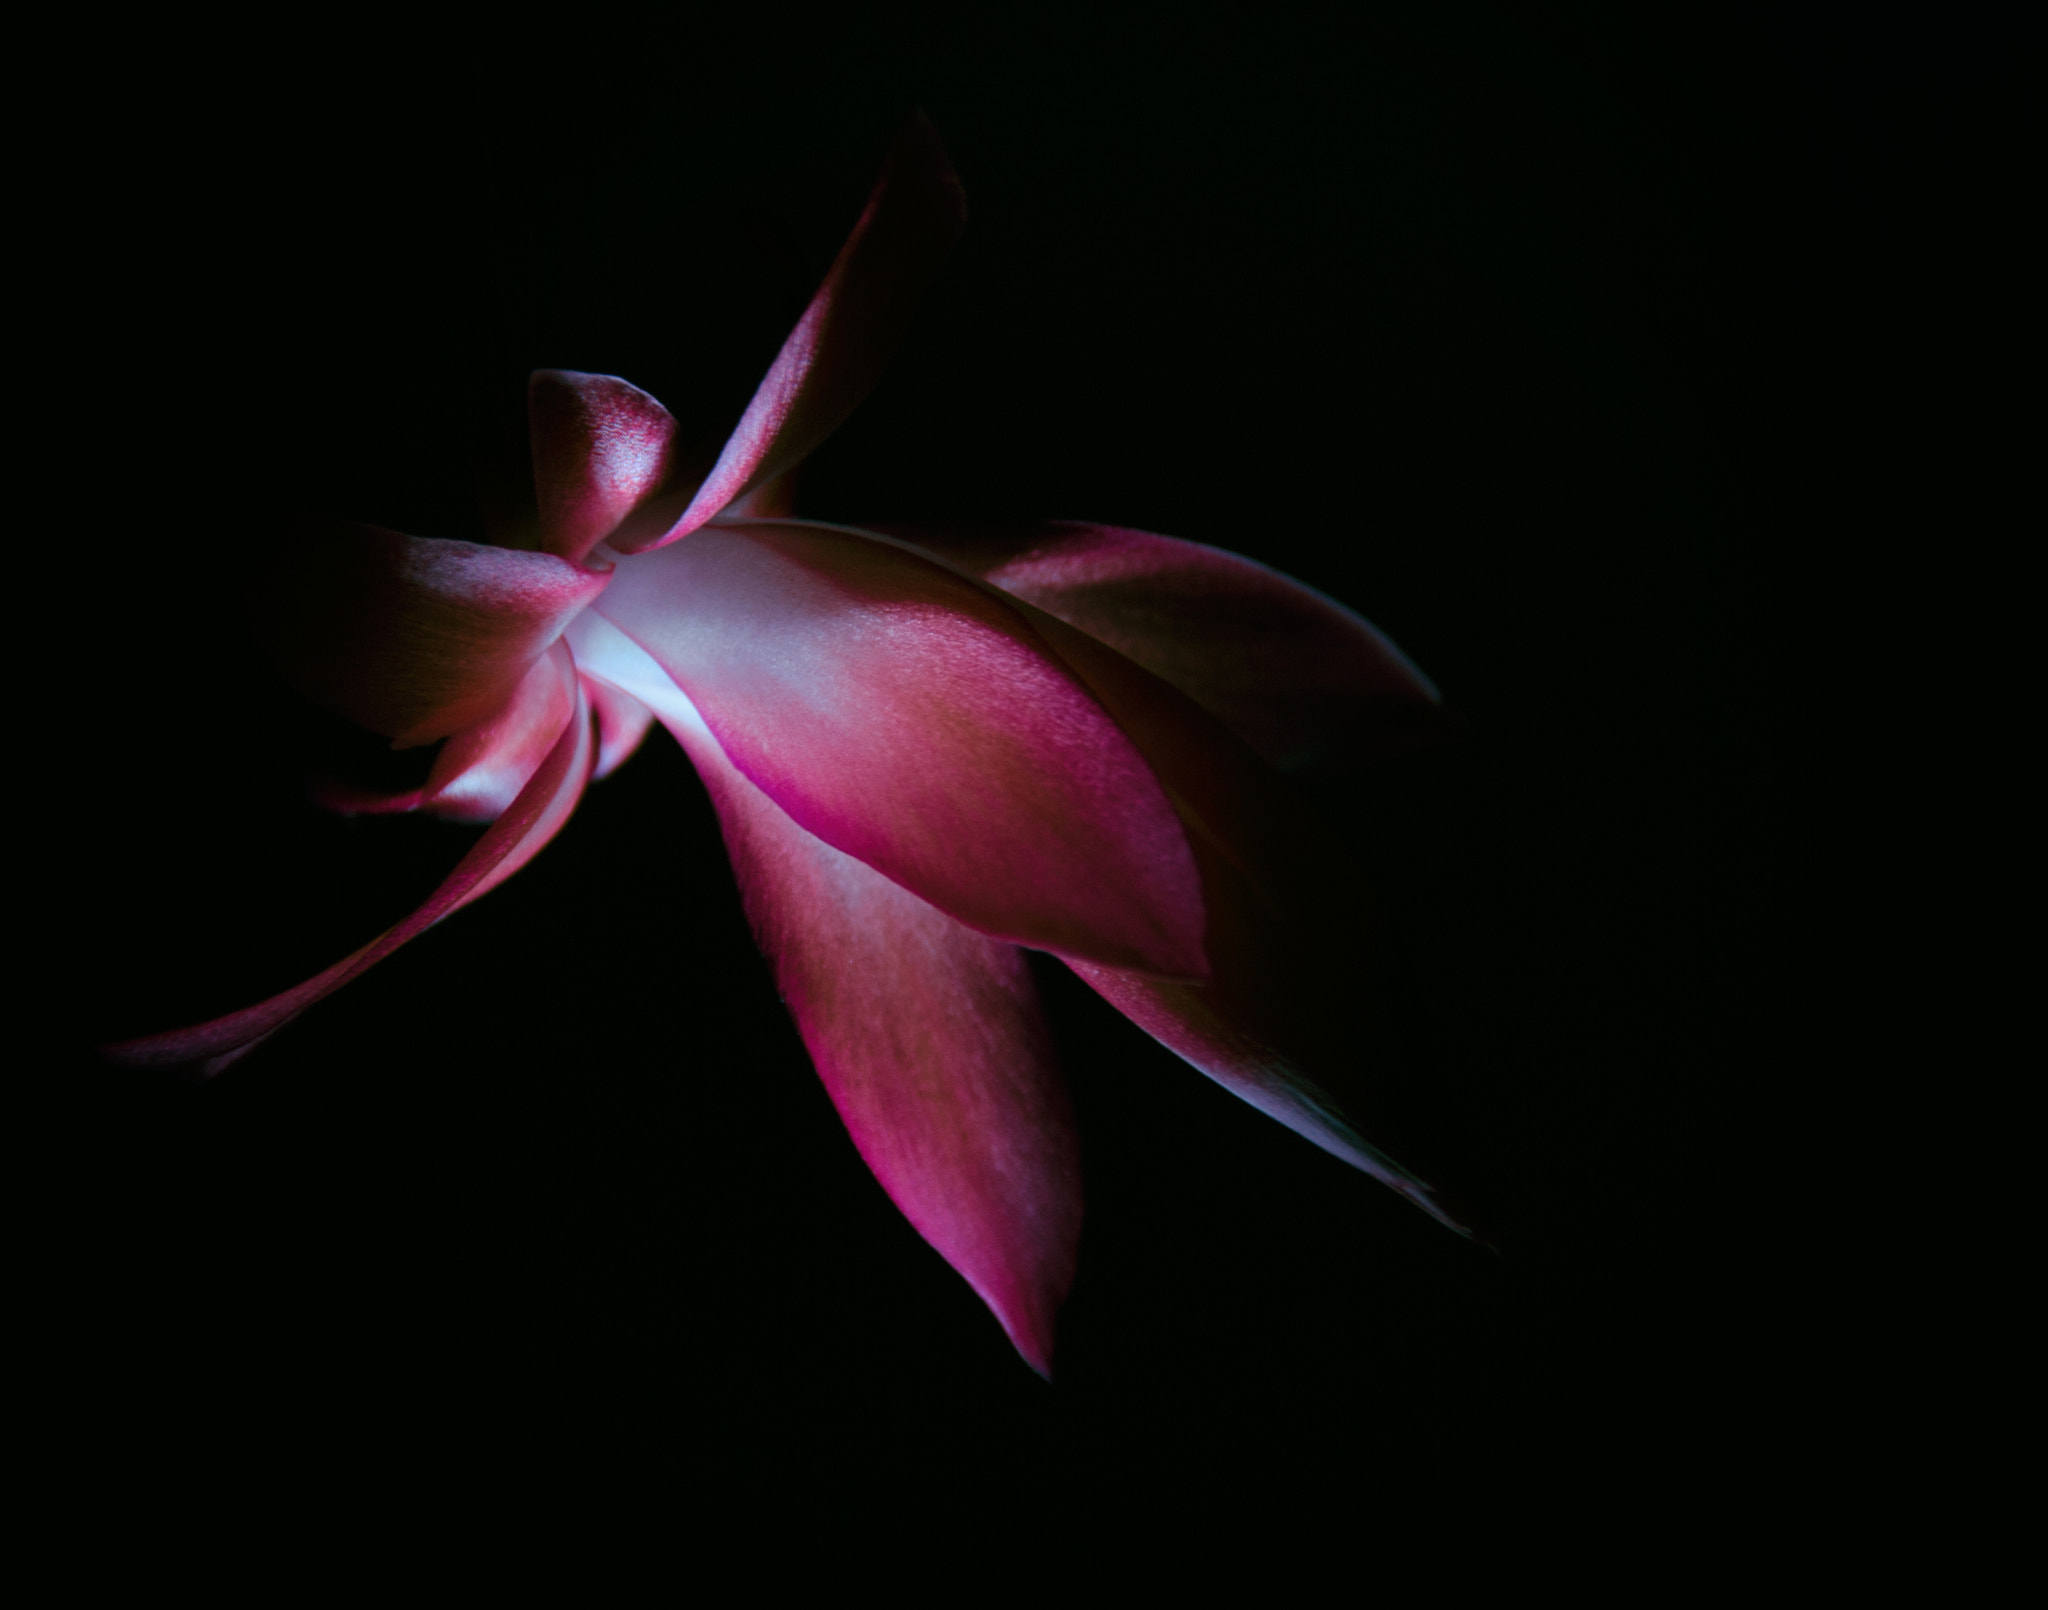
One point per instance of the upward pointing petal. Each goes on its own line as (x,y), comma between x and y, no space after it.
(846,336)
(601,447)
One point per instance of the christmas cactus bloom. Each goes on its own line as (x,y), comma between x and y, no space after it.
(928,751)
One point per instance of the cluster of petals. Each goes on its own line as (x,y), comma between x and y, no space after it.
(928,750)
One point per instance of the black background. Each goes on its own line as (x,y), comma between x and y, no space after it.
(1549,338)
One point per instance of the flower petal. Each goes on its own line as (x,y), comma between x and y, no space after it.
(1284,1019)
(481,769)
(543,805)
(622,721)
(1299,677)
(910,718)
(929,1040)
(846,336)
(412,637)
(601,447)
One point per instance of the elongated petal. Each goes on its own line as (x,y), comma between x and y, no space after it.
(543,805)
(846,336)
(929,1040)
(1299,677)
(412,637)
(1290,1017)
(601,447)
(910,718)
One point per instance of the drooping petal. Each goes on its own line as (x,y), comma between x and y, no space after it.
(481,769)
(910,718)
(1302,679)
(1288,1018)
(601,447)
(534,817)
(846,336)
(412,637)
(929,1040)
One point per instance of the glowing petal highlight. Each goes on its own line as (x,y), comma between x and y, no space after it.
(910,718)
(601,447)
(412,637)
(481,769)
(622,722)
(535,816)
(847,334)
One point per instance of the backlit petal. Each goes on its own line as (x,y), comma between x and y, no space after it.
(846,336)
(481,769)
(1299,677)
(412,637)
(601,447)
(543,805)
(910,718)
(929,1040)
(622,722)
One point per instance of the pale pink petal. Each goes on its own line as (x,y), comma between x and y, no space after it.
(1286,1019)
(622,721)
(412,637)
(481,769)
(1299,677)
(543,805)
(846,336)
(910,718)
(601,447)
(929,1040)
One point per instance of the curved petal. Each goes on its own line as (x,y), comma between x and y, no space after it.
(622,722)
(412,637)
(1287,1018)
(929,1040)
(909,718)
(543,805)
(846,336)
(1302,679)
(601,447)
(481,769)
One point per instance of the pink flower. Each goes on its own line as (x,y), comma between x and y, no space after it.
(928,751)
